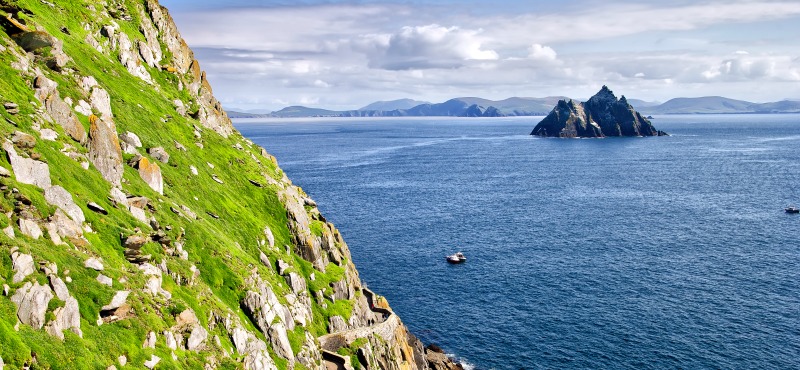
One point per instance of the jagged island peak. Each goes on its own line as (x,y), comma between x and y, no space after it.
(601,116)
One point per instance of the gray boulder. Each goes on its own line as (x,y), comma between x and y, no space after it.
(61,198)
(279,340)
(296,282)
(32,301)
(159,154)
(28,171)
(117,301)
(104,150)
(94,264)
(22,265)
(197,338)
(23,140)
(30,228)
(130,142)
(65,226)
(59,287)
(336,324)
(254,350)
(35,40)
(67,317)
(46,91)
(101,101)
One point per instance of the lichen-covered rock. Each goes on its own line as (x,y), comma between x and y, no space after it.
(263,306)
(59,287)
(117,301)
(151,174)
(100,101)
(150,340)
(336,323)
(130,142)
(65,226)
(32,301)
(152,362)
(104,150)
(105,280)
(57,61)
(154,280)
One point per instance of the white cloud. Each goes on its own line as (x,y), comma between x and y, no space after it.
(345,56)
(429,46)
(541,52)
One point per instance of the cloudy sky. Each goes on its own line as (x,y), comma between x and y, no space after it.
(269,54)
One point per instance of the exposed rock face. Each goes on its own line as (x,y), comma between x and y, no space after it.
(67,317)
(35,40)
(27,170)
(254,349)
(32,301)
(22,265)
(602,115)
(104,150)
(46,91)
(61,198)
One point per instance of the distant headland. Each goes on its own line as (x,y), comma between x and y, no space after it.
(600,116)
(516,106)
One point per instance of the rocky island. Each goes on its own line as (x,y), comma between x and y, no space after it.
(141,230)
(601,116)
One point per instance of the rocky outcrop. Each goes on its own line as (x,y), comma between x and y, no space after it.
(60,112)
(32,301)
(22,265)
(151,174)
(27,170)
(104,150)
(601,116)
(61,198)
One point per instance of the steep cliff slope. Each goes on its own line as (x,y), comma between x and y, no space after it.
(600,116)
(140,229)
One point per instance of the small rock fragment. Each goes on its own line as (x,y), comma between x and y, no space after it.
(96,208)
(105,280)
(94,264)
(152,362)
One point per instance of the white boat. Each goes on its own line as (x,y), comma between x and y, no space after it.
(456,258)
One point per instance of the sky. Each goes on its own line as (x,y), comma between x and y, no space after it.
(332,54)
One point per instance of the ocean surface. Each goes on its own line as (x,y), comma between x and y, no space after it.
(619,253)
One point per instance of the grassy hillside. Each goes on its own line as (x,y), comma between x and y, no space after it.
(215,236)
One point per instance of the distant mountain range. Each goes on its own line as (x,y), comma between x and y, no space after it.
(478,107)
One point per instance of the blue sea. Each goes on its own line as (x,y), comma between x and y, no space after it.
(619,253)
